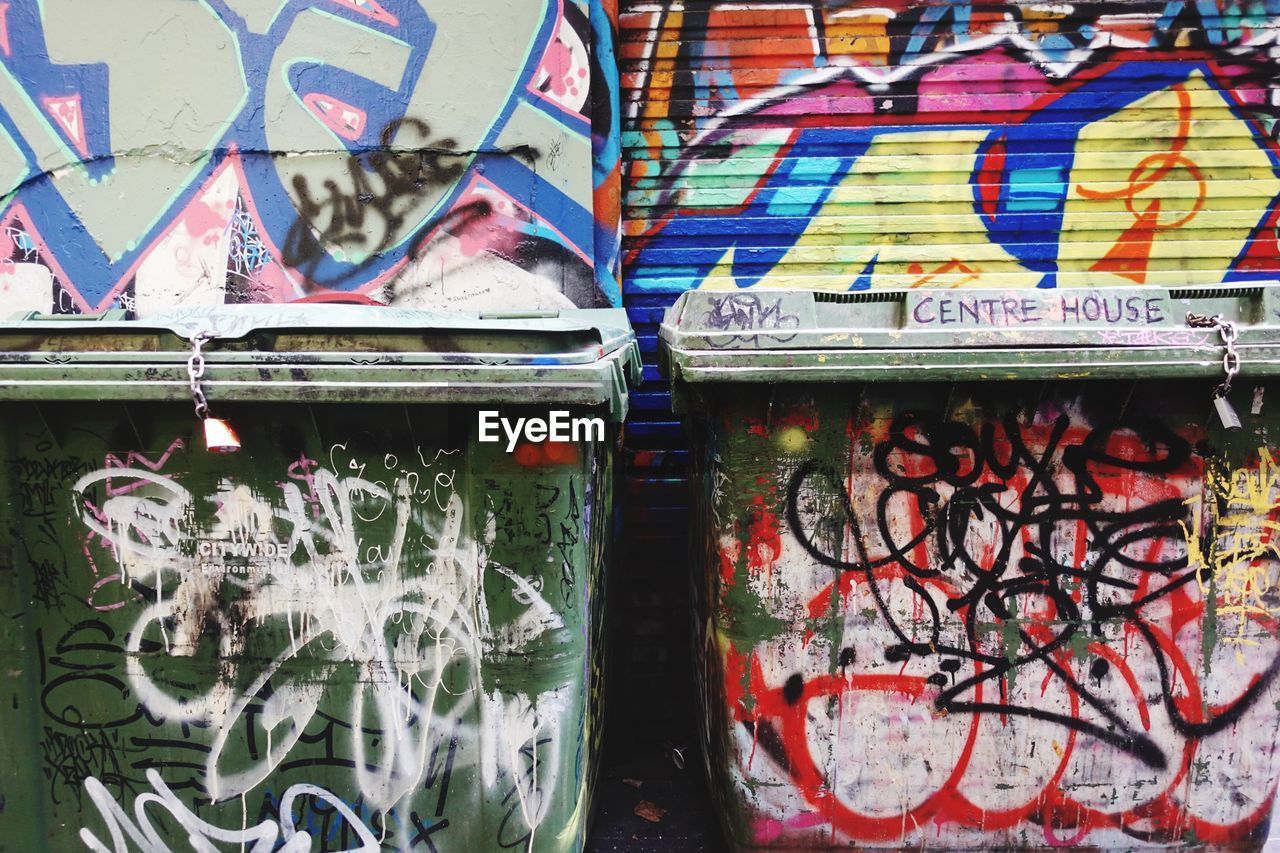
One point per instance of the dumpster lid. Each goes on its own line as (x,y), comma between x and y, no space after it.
(772,335)
(326,352)
(232,322)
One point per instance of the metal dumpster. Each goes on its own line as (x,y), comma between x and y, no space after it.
(986,569)
(367,629)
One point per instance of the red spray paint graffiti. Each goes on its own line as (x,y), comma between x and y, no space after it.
(1048,630)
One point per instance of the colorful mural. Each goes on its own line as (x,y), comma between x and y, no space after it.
(966,617)
(155,153)
(843,146)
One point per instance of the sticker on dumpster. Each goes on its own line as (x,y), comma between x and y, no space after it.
(1027,309)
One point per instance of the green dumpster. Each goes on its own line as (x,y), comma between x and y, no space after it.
(986,570)
(372,627)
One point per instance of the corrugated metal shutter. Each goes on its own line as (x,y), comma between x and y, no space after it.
(845,146)
(853,145)
(849,146)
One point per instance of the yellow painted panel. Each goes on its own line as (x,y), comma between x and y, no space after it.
(1166,195)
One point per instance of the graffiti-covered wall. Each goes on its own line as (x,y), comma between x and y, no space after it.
(851,145)
(845,145)
(369,633)
(976,617)
(156,152)
(848,145)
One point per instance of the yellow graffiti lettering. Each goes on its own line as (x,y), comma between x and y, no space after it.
(1237,559)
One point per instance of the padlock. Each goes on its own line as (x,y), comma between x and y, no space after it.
(1226,412)
(219,437)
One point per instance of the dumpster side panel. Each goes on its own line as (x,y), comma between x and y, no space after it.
(965,617)
(20,725)
(364,631)
(353,150)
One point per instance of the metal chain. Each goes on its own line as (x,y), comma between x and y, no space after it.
(195,372)
(1230,358)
